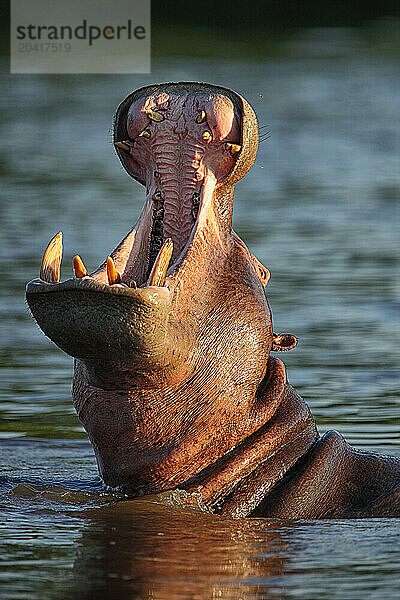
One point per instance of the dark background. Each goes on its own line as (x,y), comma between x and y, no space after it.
(233,22)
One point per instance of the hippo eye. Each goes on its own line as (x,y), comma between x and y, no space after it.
(207,136)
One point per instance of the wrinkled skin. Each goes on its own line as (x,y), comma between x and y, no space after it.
(174,382)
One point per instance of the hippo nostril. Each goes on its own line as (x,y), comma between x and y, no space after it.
(206,136)
(201,117)
(145,133)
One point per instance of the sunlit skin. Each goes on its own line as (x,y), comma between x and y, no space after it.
(174,381)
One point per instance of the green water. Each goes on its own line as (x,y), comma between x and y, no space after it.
(321,210)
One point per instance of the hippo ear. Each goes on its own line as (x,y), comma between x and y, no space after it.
(262,272)
(283,341)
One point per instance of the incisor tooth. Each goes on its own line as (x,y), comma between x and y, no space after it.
(232,148)
(79,267)
(155,116)
(51,261)
(112,273)
(159,270)
(125,145)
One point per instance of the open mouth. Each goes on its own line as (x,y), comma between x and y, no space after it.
(181,143)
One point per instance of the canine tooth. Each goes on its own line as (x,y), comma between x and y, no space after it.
(112,273)
(233,148)
(201,117)
(206,136)
(145,133)
(79,267)
(133,284)
(154,115)
(125,145)
(51,261)
(159,271)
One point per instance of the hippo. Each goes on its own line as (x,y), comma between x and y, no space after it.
(174,381)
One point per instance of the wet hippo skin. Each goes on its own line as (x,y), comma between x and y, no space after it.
(173,379)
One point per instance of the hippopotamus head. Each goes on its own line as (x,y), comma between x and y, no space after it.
(171,335)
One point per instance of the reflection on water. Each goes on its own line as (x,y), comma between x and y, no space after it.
(138,550)
(63,545)
(321,210)
(158,552)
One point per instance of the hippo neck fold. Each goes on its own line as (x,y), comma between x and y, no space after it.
(196,454)
(237,482)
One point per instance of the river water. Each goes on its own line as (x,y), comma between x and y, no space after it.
(321,210)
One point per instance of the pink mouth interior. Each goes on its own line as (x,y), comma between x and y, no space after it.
(181,147)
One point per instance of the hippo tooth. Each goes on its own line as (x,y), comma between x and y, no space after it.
(51,261)
(159,271)
(125,145)
(79,267)
(158,196)
(201,117)
(233,148)
(145,133)
(133,284)
(112,273)
(154,115)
